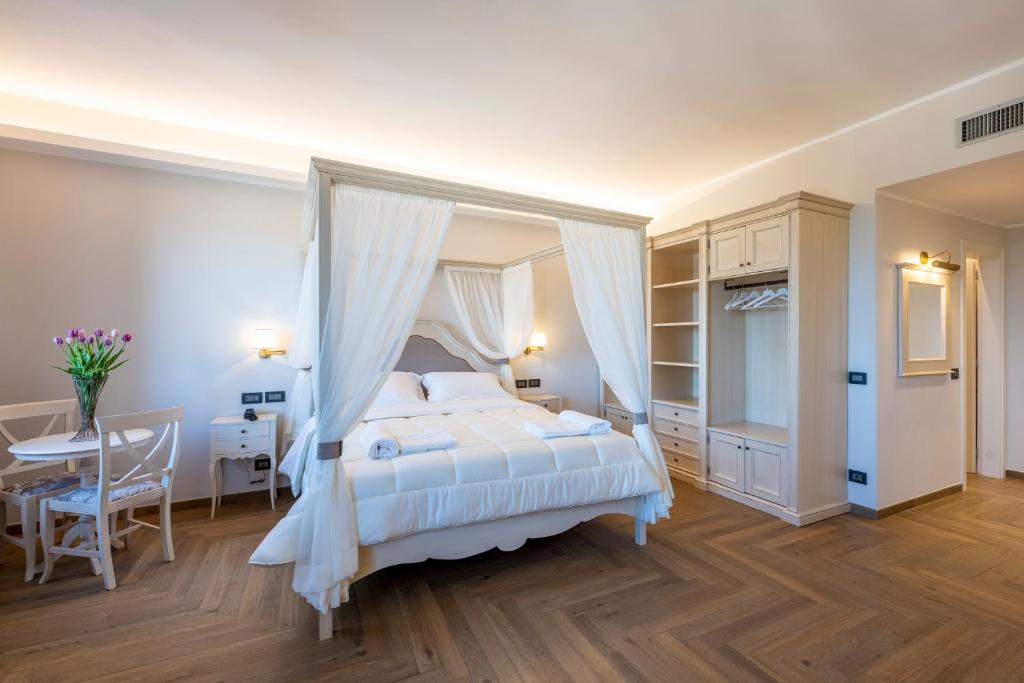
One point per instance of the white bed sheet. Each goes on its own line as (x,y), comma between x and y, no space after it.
(496,470)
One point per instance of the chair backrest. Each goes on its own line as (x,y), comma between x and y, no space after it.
(144,466)
(22,411)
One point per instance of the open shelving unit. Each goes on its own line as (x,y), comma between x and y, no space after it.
(677,274)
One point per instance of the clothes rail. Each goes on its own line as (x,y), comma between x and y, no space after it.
(752,285)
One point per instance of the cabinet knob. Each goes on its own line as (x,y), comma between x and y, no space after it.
(245,431)
(676,414)
(243,445)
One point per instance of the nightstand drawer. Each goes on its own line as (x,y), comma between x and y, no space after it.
(259,444)
(674,429)
(243,431)
(683,446)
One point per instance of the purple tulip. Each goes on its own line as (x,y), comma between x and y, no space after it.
(126,337)
(108,342)
(72,332)
(90,340)
(58,341)
(98,333)
(81,335)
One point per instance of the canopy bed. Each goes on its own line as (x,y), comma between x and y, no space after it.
(372,240)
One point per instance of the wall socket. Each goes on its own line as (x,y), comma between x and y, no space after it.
(520,384)
(533,383)
(261,464)
(858,477)
(275,397)
(251,397)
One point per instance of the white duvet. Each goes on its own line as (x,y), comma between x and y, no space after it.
(496,470)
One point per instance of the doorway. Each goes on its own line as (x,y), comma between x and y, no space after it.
(984,361)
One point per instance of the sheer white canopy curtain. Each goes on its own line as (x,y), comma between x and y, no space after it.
(606,272)
(495,310)
(385,247)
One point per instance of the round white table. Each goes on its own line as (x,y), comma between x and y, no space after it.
(59,448)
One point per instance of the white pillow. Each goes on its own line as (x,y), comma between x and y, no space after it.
(451,386)
(400,387)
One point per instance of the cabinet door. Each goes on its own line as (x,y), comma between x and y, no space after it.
(726,460)
(727,253)
(766,471)
(768,244)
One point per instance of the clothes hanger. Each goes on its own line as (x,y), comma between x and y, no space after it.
(760,299)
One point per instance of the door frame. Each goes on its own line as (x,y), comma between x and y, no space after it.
(982,252)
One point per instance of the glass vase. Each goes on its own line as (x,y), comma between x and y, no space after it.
(88,392)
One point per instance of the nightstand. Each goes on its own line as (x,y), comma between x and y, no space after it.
(549,401)
(235,438)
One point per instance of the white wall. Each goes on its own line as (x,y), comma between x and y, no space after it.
(920,435)
(914,141)
(189,265)
(1015,349)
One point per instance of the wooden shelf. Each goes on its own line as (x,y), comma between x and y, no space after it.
(675,365)
(686,324)
(682,284)
(688,402)
(757,431)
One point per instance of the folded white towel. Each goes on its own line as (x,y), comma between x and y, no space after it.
(591,425)
(425,441)
(379,442)
(553,429)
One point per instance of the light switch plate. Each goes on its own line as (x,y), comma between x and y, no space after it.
(251,397)
(275,397)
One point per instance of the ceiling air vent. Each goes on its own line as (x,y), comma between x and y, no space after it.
(988,123)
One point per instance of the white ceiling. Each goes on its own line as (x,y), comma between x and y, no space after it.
(616,103)
(989,191)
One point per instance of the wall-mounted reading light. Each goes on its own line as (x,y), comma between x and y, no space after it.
(264,340)
(538,340)
(936,263)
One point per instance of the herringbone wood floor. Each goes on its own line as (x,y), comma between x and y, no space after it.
(720,592)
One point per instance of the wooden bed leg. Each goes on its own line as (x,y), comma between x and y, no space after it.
(640,535)
(327,624)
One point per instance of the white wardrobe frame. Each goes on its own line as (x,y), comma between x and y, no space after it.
(463,541)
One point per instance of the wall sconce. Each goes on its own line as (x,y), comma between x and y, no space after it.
(935,263)
(264,341)
(538,340)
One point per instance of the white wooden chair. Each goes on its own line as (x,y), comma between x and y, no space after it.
(25,495)
(145,482)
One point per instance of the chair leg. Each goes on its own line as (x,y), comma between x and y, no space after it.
(165,527)
(48,527)
(106,560)
(28,533)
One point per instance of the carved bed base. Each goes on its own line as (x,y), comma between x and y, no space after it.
(465,541)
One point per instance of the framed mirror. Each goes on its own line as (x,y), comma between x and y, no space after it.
(923,321)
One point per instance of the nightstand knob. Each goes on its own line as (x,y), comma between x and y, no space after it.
(245,431)
(243,445)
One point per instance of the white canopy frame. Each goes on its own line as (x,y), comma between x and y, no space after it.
(324,173)
(458,541)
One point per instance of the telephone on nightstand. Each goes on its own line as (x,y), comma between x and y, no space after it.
(250,414)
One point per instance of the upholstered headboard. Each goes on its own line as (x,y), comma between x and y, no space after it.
(432,348)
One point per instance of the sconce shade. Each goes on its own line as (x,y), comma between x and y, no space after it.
(263,338)
(538,340)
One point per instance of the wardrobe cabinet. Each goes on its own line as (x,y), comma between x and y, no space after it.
(748,466)
(748,336)
(725,460)
(728,253)
(758,247)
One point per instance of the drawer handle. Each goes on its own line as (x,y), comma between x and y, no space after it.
(676,413)
(243,445)
(245,431)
